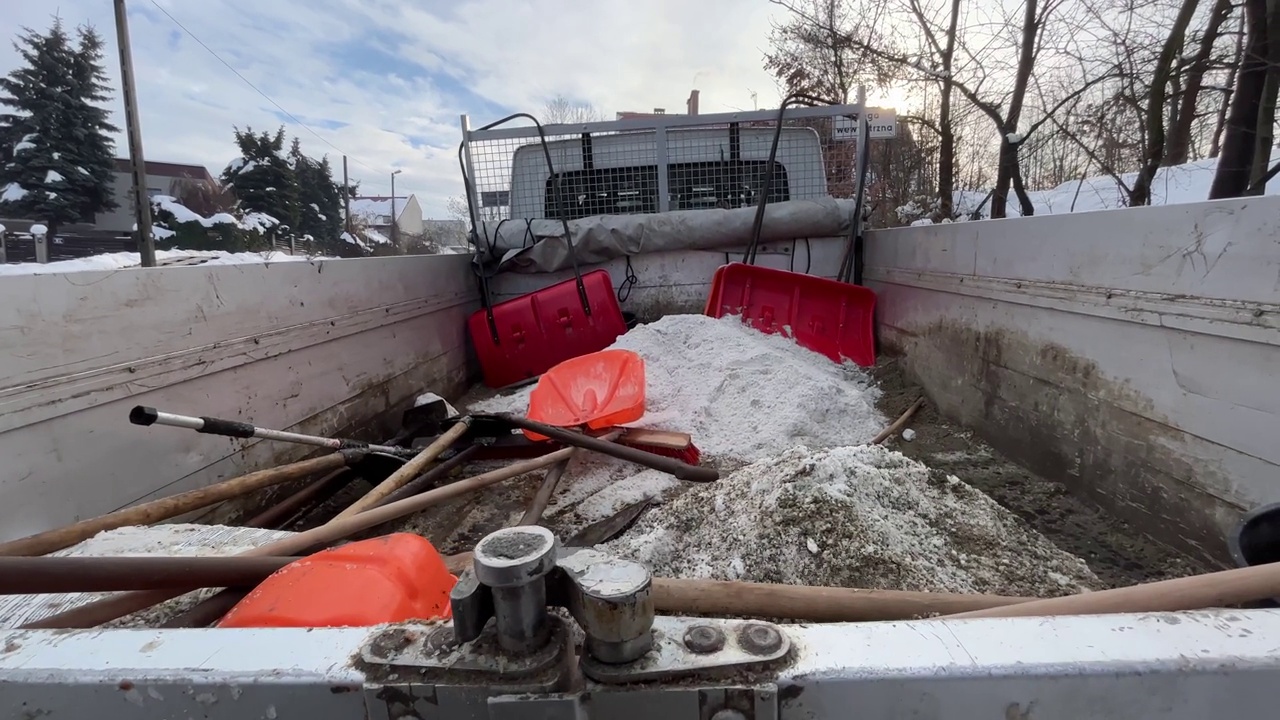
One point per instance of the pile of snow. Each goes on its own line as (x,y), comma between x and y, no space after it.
(828,511)
(862,517)
(122,260)
(742,394)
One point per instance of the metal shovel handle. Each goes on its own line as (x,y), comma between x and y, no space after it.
(146,416)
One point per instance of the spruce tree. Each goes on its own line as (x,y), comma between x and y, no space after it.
(319,202)
(56,153)
(262,178)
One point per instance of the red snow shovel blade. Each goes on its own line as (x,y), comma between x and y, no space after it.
(829,317)
(532,333)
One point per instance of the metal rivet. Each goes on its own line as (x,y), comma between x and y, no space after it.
(759,639)
(704,639)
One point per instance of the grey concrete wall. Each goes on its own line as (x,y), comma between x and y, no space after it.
(319,347)
(1134,354)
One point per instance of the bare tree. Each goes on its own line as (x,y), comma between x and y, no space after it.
(1239,154)
(1004,104)
(1162,73)
(1179,143)
(559,110)
(1266,138)
(1237,60)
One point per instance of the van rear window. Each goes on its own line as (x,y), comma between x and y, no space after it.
(693,186)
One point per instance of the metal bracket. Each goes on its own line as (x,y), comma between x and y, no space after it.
(519,572)
(684,647)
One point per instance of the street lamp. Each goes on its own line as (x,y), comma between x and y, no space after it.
(395,236)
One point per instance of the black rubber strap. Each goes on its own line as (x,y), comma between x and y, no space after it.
(229,428)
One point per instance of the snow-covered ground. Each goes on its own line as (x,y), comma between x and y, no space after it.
(120,261)
(1174,185)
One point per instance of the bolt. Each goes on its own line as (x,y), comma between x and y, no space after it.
(513,562)
(759,639)
(728,714)
(703,639)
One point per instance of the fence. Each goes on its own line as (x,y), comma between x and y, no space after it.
(15,248)
(660,163)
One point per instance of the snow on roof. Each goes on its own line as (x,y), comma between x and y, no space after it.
(378,208)
(376,237)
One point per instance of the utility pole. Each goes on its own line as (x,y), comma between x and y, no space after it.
(346,194)
(395,235)
(141,202)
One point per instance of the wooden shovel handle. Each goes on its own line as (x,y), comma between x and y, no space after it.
(174,505)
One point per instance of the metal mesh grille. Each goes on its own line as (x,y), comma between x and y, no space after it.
(675,163)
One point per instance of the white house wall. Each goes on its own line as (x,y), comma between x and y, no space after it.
(312,346)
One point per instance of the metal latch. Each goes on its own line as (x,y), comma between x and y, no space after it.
(502,623)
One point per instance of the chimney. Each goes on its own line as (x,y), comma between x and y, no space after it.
(692,102)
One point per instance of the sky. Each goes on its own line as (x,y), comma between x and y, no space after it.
(385,81)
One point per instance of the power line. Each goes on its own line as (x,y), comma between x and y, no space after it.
(257,90)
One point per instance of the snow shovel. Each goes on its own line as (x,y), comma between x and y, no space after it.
(596,390)
(830,317)
(500,423)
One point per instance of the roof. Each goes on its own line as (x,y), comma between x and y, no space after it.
(377,207)
(166,169)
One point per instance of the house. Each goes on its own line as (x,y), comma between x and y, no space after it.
(163,178)
(375,212)
(691,107)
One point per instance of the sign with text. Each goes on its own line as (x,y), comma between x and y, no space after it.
(883,123)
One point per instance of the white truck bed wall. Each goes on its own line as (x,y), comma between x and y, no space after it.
(1172,666)
(538,246)
(1130,354)
(315,347)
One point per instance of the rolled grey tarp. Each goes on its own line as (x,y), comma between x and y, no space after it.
(538,246)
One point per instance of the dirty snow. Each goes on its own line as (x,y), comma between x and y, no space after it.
(861,516)
(741,394)
(828,511)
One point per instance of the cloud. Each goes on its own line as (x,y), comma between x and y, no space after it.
(386,80)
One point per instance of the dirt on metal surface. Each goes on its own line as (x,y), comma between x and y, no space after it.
(1118,553)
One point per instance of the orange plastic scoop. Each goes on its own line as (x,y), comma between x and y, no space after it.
(381,580)
(599,390)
